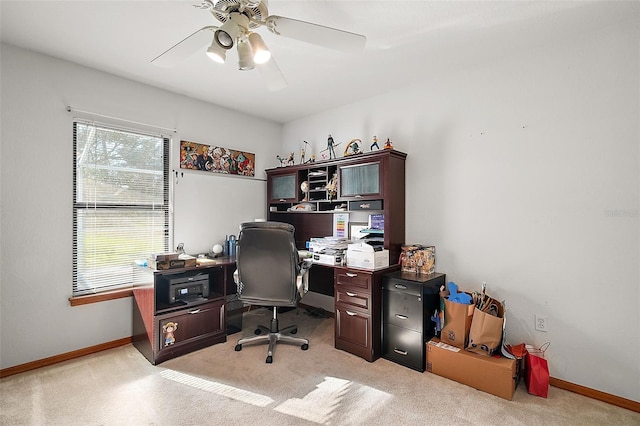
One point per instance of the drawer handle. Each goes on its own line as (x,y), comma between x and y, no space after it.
(403,317)
(400,286)
(351,294)
(351,314)
(358,196)
(195,311)
(350,275)
(399,352)
(282,200)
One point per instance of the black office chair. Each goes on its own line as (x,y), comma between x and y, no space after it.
(270,273)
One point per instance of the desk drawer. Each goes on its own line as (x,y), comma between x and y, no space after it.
(405,286)
(403,310)
(403,346)
(353,330)
(353,297)
(188,325)
(354,278)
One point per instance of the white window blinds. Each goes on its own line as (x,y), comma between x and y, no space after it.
(120,204)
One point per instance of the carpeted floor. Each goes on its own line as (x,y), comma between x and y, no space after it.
(218,386)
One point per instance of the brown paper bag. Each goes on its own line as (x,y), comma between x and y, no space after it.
(457,322)
(485,334)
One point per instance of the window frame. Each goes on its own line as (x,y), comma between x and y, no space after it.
(110,292)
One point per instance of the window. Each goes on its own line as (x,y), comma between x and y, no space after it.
(120,204)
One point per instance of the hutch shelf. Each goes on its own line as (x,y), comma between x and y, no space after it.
(367,183)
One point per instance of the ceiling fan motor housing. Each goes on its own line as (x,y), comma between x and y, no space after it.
(254,10)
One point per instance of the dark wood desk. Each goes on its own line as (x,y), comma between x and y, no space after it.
(163,330)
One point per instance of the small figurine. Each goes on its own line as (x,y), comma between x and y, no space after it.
(290,159)
(388,144)
(375,143)
(330,145)
(332,187)
(352,147)
(281,160)
(303,153)
(312,159)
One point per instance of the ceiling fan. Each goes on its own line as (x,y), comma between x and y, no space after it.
(240,19)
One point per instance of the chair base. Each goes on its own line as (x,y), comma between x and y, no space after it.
(274,335)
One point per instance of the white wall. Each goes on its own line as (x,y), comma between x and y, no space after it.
(524,173)
(36,170)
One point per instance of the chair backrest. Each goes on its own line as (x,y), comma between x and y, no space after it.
(268,264)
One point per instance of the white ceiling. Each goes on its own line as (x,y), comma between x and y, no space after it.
(407,42)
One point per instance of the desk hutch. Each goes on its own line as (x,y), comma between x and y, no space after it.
(367,183)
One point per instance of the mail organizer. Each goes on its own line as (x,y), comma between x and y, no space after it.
(408,302)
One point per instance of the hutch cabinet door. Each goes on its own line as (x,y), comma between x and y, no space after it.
(360,180)
(283,187)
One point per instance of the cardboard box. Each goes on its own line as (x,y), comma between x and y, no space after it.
(418,259)
(163,257)
(367,259)
(495,375)
(173,264)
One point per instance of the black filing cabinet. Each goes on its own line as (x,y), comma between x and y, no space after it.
(408,302)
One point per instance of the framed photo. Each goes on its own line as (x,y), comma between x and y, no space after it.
(216,159)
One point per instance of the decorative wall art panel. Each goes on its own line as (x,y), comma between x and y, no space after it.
(216,159)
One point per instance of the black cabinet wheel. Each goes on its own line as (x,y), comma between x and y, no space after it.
(238,348)
(269,359)
(305,346)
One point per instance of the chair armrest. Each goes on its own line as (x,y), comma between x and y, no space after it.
(239,285)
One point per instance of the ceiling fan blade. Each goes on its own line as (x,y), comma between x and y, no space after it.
(272,76)
(185,48)
(316,34)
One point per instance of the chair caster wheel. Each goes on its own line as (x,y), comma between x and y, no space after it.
(238,348)
(304,347)
(294,331)
(257,332)
(269,359)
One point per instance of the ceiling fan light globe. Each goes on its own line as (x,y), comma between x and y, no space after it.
(262,57)
(261,53)
(245,56)
(216,53)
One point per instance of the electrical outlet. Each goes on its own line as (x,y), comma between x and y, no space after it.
(541,323)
